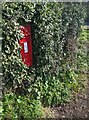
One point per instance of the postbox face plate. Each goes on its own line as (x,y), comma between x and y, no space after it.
(26,46)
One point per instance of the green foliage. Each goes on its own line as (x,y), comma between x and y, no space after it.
(20,107)
(51,79)
(82,57)
(54,90)
(1,110)
(15,72)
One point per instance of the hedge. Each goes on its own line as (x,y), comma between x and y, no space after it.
(53,25)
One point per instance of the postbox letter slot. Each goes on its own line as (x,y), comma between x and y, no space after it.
(25,47)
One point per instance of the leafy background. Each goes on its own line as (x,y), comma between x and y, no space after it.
(55,29)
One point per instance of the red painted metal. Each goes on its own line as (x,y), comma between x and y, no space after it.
(26,44)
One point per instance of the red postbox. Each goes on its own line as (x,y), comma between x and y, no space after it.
(26,45)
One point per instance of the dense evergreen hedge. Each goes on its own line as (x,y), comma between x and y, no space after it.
(52,25)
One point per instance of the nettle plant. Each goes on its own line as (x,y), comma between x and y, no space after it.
(52,25)
(20,107)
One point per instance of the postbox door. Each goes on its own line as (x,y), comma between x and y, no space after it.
(26,50)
